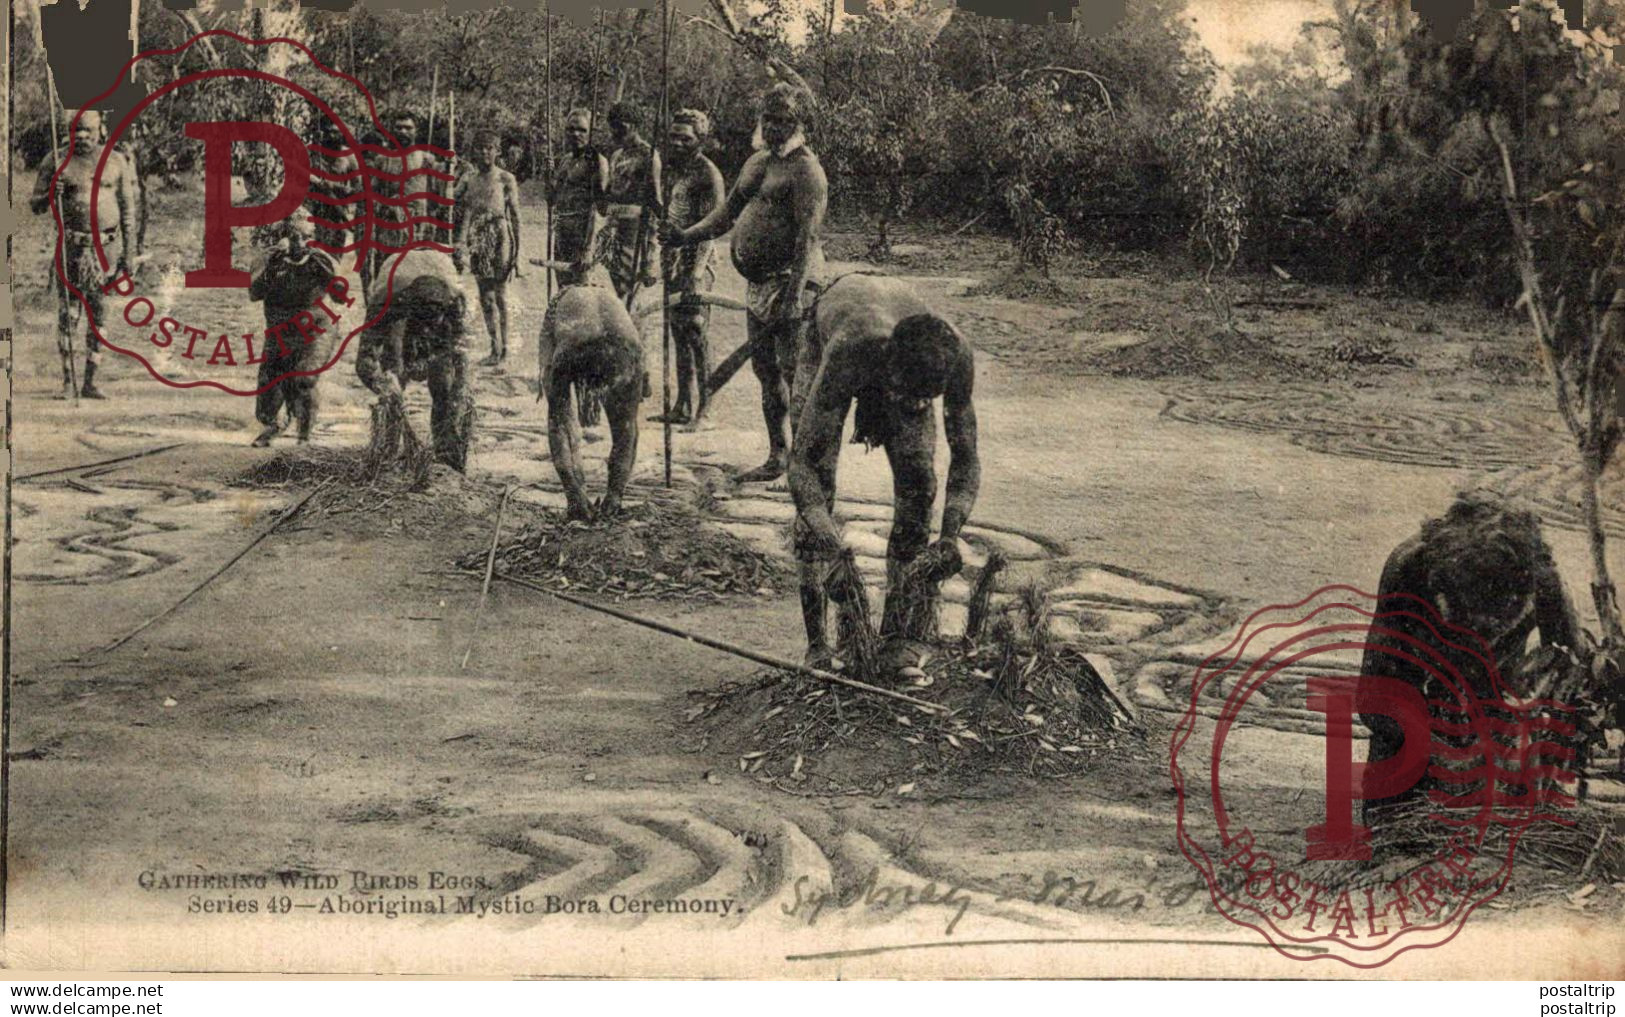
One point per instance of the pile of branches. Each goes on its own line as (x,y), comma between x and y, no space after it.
(654,550)
(1015,704)
(353,481)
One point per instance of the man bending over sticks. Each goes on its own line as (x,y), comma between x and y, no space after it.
(885,350)
(590,343)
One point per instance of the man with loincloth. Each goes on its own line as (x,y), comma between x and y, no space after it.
(1483,566)
(777,209)
(487,237)
(631,197)
(696,189)
(294,278)
(395,231)
(590,345)
(575,189)
(421,336)
(333,177)
(884,350)
(114,204)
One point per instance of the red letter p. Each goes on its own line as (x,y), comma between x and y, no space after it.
(1338,698)
(219,215)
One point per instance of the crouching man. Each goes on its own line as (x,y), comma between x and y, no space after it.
(883,349)
(422,336)
(1485,567)
(295,278)
(590,343)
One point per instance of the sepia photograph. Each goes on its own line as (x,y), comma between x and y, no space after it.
(816,489)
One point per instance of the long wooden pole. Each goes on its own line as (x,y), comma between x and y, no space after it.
(547,117)
(726,647)
(58,267)
(660,210)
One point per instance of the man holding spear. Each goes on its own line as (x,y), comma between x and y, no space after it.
(78,196)
(776,209)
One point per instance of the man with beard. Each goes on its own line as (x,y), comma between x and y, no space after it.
(115,203)
(776,210)
(333,177)
(696,189)
(887,352)
(487,237)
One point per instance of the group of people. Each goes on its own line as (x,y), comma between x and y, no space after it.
(622,221)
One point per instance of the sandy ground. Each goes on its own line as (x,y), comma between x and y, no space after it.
(306,713)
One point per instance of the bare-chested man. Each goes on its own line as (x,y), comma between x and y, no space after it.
(776,209)
(333,177)
(590,344)
(115,203)
(421,337)
(696,189)
(629,201)
(487,237)
(1484,566)
(576,188)
(395,230)
(885,350)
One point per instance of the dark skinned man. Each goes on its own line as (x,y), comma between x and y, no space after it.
(696,189)
(630,199)
(590,345)
(883,349)
(115,202)
(1485,567)
(487,237)
(421,336)
(294,277)
(575,189)
(776,210)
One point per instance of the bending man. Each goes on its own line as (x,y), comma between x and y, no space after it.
(589,343)
(884,350)
(421,337)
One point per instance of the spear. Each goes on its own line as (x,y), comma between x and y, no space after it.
(452,140)
(547,115)
(660,205)
(406,162)
(57,268)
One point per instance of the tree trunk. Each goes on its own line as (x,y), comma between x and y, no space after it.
(1603,593)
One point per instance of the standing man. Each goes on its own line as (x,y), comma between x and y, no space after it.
(293,279)
(396,230)
(696,190)
(576,188)
(332,177)
(632,195)
(115,204)
(486,237)
(885,350)
(777,208)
